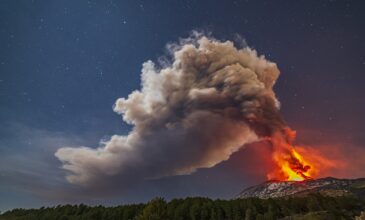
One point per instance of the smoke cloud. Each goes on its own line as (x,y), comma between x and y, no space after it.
(193,112)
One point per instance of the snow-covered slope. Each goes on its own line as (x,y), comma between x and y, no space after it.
(328,186)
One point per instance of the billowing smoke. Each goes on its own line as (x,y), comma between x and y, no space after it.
(190,113)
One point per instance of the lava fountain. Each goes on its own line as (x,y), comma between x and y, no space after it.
(289,164)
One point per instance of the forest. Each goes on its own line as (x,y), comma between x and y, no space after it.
(314,206)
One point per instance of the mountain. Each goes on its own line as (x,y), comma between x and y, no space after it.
(326,186)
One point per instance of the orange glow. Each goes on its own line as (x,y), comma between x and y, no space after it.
(293,166)
(290,165)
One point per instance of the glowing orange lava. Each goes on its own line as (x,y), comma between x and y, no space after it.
(293,166)
(290,165)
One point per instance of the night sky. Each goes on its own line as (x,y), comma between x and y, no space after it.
(64,63)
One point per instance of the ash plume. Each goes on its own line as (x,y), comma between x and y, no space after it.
(190,113)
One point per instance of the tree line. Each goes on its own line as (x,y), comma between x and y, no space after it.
(196,208)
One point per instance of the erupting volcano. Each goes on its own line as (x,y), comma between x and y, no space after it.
(178,116)
(290,165)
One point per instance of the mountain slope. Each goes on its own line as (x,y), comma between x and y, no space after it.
(327,186)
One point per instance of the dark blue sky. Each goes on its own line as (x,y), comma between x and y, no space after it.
(64,63)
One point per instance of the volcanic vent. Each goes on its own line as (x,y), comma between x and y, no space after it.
(290,165)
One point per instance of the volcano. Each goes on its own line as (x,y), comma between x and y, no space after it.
(328,186)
